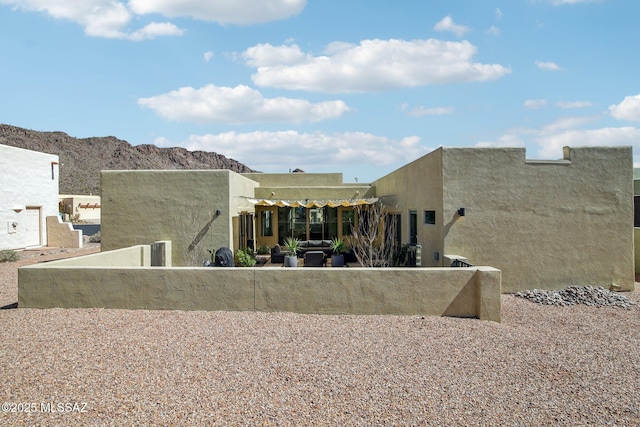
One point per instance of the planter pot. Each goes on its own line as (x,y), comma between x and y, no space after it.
(337,260)
(290,261)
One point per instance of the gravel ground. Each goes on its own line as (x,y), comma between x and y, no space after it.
(543,365)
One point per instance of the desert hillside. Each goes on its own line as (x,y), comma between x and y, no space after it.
(83,159)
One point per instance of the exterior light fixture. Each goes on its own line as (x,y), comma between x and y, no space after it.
(53,164)
(18,208)
(461,212)
(218,212)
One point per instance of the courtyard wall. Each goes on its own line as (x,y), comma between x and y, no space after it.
(113,280)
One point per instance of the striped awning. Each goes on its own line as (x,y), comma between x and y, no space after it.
(314,203)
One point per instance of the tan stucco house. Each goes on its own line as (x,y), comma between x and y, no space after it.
(545,224)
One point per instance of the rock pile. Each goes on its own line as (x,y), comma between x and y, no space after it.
(595,296)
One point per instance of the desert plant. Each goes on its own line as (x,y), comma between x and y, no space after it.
(374,239)
(249,251)
(9,256)
(212,255)
(337,245)
(292,244)
(244,258)
(95,238)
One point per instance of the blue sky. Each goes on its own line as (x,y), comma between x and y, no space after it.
(358,87)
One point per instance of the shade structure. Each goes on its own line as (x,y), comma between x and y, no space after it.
(314,203)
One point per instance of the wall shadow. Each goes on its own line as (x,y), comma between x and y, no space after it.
(201,234)
(467,297)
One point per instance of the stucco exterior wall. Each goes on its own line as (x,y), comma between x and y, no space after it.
(418,186)
(87,207)
(29,180)
(73,283)
(636,240)
(61,234)
(545,224)
(140,207)
(295,179)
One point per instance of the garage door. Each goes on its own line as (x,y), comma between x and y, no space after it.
(32,227)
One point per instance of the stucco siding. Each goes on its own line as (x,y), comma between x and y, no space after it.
(29,180)
(418,186)
(546,225)
(112,280)
(140,207)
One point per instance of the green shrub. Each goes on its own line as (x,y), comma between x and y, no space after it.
(244,258)
(263,250)
(9,256)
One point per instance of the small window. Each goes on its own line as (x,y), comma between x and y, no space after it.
(429,217)
(267,224)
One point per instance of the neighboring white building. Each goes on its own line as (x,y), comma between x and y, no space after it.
(28,195)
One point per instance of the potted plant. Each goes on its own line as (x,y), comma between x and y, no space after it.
(291,244)
(338,247)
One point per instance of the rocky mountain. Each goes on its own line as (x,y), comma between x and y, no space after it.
(81,160)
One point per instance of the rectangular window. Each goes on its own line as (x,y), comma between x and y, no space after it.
(267,223)
(429,217)
(330,223)
(347,221)
(413,227)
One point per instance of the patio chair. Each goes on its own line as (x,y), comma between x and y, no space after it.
(277,255)
(315,259)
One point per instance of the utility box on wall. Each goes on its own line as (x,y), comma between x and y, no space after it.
(12,227)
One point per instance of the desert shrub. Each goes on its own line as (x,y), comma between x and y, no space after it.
(9,256)
(95,238)
(373,240)
(244,258)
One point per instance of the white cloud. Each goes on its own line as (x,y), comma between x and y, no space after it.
(423,111)
(447,24)
(574,104)
(313,151)
(110,18)
(498,13)
(628,109)
(507,140)
(208,56)
(568,131)
(493,30)
(373,65)
(242,12)
(240,104)
(155,29)
(548,66)
(568,123)
(99,18)
(265,55)
(551,144)
(533,104)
